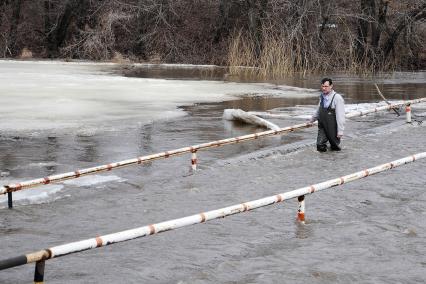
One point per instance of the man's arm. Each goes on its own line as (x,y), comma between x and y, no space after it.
(340,114)
(315,116)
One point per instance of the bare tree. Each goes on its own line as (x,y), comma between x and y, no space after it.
(416,14)
(16,15)
(292,35)
(58,17)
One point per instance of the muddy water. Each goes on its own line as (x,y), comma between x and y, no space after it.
(398,85)
(366,231)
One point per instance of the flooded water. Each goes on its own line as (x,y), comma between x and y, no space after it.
(61,117)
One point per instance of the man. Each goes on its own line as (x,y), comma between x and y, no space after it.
(331,117)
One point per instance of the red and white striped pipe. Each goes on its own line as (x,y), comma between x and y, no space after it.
(408,112)
(194,160)
(301,210)
(122,236)
(78,173)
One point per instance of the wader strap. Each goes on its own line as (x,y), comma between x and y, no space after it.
(329,106)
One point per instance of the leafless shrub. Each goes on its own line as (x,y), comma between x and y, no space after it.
(271,37)
(97,43)
(119,58)
(26,53)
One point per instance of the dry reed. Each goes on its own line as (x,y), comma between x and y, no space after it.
(285,55)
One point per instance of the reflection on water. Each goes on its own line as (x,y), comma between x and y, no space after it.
(303,231)
(355,89)
(88,149)
(145,140)
(175,72)
(262,103)
(52,152)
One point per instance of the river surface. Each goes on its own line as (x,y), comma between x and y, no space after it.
(59,117)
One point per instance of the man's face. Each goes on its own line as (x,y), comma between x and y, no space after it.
(326,87)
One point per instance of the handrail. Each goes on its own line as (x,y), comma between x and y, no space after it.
(191,149)
(78,246)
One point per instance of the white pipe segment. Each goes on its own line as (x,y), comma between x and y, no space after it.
(210,215)
(269,115)
(76,174)
(238,114)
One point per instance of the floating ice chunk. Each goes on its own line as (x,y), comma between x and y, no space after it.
(36,195)
(86,132)
(92,180)
(36,165)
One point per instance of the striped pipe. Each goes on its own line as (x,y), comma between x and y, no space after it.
(388,107)
(194,161)
(78,173)
(408,113)
(301,210)
(122,236)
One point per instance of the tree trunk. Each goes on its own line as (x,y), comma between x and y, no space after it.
(2,7)
(16,14)
(256,13)
(222,28)
(381,23)
(325,18)
(57,32)
(49,30)
(367,15)
(64,22)
(139,46)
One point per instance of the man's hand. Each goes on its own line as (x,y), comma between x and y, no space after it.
(311,121)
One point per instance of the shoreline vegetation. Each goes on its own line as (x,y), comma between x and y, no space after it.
(264,39)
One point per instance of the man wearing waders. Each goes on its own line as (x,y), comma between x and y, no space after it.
(331,117)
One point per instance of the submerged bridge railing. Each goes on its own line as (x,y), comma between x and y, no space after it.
(39,257)
(191,149)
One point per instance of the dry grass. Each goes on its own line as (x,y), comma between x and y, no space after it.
(282,56)
(278,57)
(26,54)
(119,58)
(241,55)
